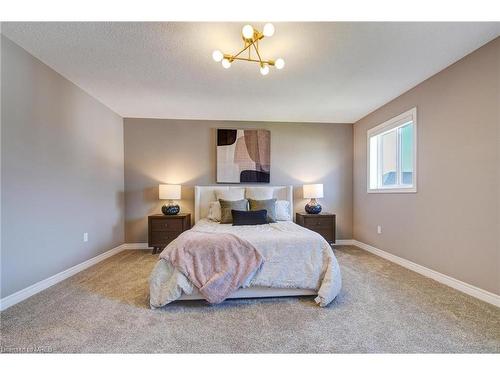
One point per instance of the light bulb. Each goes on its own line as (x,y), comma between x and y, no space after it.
(217,55)
(279,63)
(247,31)
(268,29)
(264,70)
(226,63)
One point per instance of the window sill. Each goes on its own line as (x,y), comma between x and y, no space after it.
(395,190)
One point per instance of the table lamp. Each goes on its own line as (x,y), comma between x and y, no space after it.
(170,193)
(313,191)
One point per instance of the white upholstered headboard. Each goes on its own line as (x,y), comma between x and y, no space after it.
(203,195)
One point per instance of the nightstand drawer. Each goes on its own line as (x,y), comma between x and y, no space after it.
(327,233)
(172,225)
(323,224)
(163,229)
(318,222)
(162,239)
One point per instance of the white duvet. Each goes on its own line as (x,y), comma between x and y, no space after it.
(295,257)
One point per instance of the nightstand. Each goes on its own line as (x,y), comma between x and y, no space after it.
(323,223)
(162,229)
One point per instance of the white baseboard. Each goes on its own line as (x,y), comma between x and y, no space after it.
(48,282)
(471,290)
(136,246)
(444,279)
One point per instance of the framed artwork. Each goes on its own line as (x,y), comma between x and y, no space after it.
(243,155)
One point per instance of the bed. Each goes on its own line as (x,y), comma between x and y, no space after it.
(298,262)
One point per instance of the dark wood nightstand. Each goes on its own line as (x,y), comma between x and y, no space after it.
(162,229)
(322,223)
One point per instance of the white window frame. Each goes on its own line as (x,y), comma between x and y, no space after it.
(385,127)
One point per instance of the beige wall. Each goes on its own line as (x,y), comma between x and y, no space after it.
(452,223)
(183,152)
(62,172)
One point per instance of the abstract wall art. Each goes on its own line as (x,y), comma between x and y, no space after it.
(243,155)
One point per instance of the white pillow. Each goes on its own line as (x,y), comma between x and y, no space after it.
(231,194)
(259,193)
(214,213)
(283,211)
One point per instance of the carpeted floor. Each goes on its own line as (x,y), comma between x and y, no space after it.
(382,308)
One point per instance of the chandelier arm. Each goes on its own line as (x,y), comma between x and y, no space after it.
(243,50)
(269,62)
(258,54)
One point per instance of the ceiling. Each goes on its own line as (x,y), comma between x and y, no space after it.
(335,71)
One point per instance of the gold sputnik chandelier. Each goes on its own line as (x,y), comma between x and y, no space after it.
(251,37)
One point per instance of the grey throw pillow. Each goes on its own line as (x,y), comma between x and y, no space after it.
(267,204)
(226,206)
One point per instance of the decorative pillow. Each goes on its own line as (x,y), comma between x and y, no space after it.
(283,211)
(249,217)
(232,194)
(268,204)
(227,206)
(214,211)
(259,193)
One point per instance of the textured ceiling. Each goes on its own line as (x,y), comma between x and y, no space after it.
(335,72)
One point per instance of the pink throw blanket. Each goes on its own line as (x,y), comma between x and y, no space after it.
(216,263)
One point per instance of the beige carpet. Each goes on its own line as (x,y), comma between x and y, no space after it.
(382,308)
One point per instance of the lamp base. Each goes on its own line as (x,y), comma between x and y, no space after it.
(170,209)
(313,207)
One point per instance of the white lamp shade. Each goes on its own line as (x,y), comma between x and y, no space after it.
(170,191)
(313,191)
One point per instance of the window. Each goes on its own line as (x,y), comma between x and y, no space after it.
(392,155)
